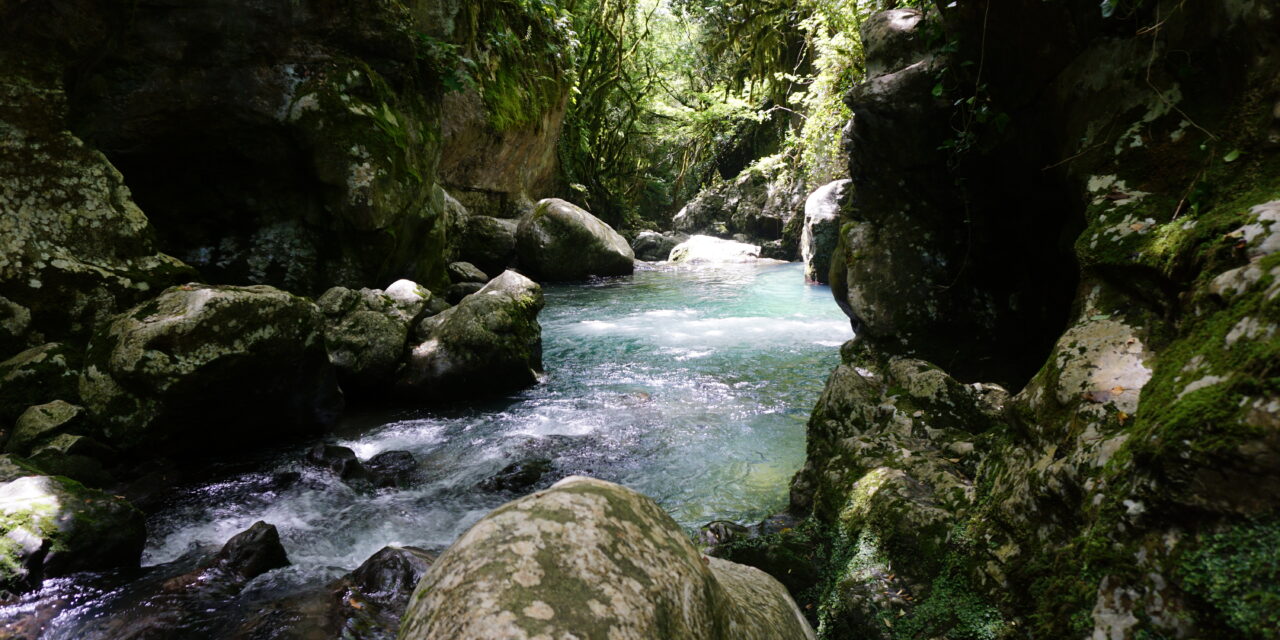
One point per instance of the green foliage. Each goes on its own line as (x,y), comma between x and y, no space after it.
(1237,572)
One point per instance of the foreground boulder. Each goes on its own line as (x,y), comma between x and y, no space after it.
(821,230)
(187,364)
(561,241)
(593,560)
(55,526)
(490,343)
(709,249)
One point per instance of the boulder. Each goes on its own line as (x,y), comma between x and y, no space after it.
(709,249)
(456,292)
(488,243)
(13,467)
(466,272)
(342,461)
(821,230)
(391,468)
(173,371)
(517,476)
(250,553)
(36,376)
(42,422)
(594,560)
(653,246)
(561,241)
(764,203)
(490,343)
(56,526)
(366,333)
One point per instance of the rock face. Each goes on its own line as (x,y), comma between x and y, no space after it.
(561,241)
(763,204)
(490,343)
(590,559)
(55,526)
(710,249)
(1128,486)
(821,230)
(185,365)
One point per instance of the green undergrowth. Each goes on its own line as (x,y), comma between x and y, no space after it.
(1236,571)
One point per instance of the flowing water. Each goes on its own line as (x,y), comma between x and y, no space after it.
(689,384)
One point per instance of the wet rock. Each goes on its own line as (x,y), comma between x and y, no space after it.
(42,422)
(466,272)
(457,292)
(251,553)
(561,241)
(554,563)
(490,343)
(168,373)
(760,204)
(342,461)
(391,468)
(389,576)
(366,333)
(821,230)
(706,249)
(56,526)
(517,476)
(37,376)
(654,246)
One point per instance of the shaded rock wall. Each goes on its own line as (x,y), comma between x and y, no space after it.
(1101,241)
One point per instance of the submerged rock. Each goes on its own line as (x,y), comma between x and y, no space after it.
(561,241)
(174,371)
(517,476)
(490,343)
(821,230)
(591,559)
(708,249)
(55,526)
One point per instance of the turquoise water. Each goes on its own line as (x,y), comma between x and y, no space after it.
(691,385)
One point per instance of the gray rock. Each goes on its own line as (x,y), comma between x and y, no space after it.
(654,246)
(561,241)
(56,526)
(36,376)
(410,298)
(489,243)
(710,249)
(590,559)
(42,422)
(179,370)
(761,204)
(457,292)
(821,230)
(466,272)
(490,343)
(893,40)
(13,467)
(366,333)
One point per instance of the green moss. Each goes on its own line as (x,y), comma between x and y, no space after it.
(1236,571)
(953,609)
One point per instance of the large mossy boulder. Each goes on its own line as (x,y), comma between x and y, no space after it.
(54,526)
(593,560)
(366,332)
(561,241)
(203,367)
(490,343)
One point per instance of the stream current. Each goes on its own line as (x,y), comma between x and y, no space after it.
(691,385)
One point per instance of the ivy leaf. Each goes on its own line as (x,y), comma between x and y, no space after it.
(1231,156)
(937,90)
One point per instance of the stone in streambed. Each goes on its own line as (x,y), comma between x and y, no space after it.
(342,461)
(591,559)
(561,241)
(391,468)
(490,343)
(55,526)
(653,246)
(517,476)
(821,230)
(178,371)
(707,249)
(366,332)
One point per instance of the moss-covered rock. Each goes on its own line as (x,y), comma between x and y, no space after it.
(42,422)
(173,371)
(490,343)
(36,376)
(55,526)
(561,241)
(593,560)
(366,333)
